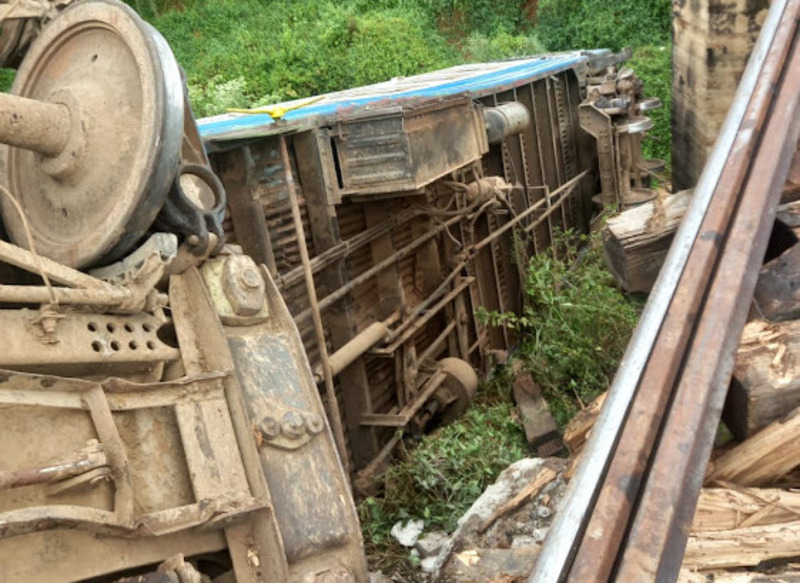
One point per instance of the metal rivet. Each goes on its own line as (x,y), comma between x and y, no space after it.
(270,427)
(315,423)
(293,424)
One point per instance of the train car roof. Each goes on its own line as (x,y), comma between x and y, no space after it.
(476,80)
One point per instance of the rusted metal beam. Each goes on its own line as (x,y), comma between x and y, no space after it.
(659,531)
(335,416)
(331,271)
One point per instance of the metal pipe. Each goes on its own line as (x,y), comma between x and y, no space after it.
(436,345)
(34,125)
(357,346)
(505,120)
(571,183)
(33,294)
(564,534)
(330,391)
(405,251)
(89,458)
(424,305)
(378,267)
(57,272)
(420,322)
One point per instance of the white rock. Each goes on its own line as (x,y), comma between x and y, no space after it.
(408,534)
(428,564)
(539,534)
(431,543)
(523,541)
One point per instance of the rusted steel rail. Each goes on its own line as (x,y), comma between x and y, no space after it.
(632,500)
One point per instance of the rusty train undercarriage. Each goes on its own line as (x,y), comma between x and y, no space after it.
(211,328)
(387,224)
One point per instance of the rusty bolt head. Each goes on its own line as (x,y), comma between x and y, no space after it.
(243,285)
(270,428)
(250,278)
(314,423)
(293,424)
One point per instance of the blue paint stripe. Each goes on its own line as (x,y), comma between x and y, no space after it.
(228,126)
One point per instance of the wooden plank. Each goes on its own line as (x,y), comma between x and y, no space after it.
(742,547)
(636,241)
(530,491)
(764,458)
(541,431)
(766,377)
(579,428)
(687,576)
(735,507)
(777,296)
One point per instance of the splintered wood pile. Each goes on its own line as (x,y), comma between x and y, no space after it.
(746,525)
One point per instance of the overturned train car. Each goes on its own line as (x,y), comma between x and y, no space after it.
(389,214)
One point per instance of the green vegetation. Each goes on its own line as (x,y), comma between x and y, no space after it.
(575,325)
(440,477)
(245,53)
(574,329)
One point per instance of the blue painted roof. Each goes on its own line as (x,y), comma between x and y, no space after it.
(476,79)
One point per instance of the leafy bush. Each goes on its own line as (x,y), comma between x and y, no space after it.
(263,51)
(338,48)
(575,325)
(653,65)
(480,48)
(486,17)
(587,24)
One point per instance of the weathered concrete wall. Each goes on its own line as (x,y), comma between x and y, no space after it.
(712,42)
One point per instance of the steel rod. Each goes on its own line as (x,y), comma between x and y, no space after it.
(24,259)
(660,528)
(411,247)
(378,267)
(34,125)
(32,294)
(333,404)
(345,248)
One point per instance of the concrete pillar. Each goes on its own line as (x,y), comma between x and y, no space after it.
(712,42)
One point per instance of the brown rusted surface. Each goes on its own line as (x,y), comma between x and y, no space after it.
(419,251)
(667,505)
(93,55)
